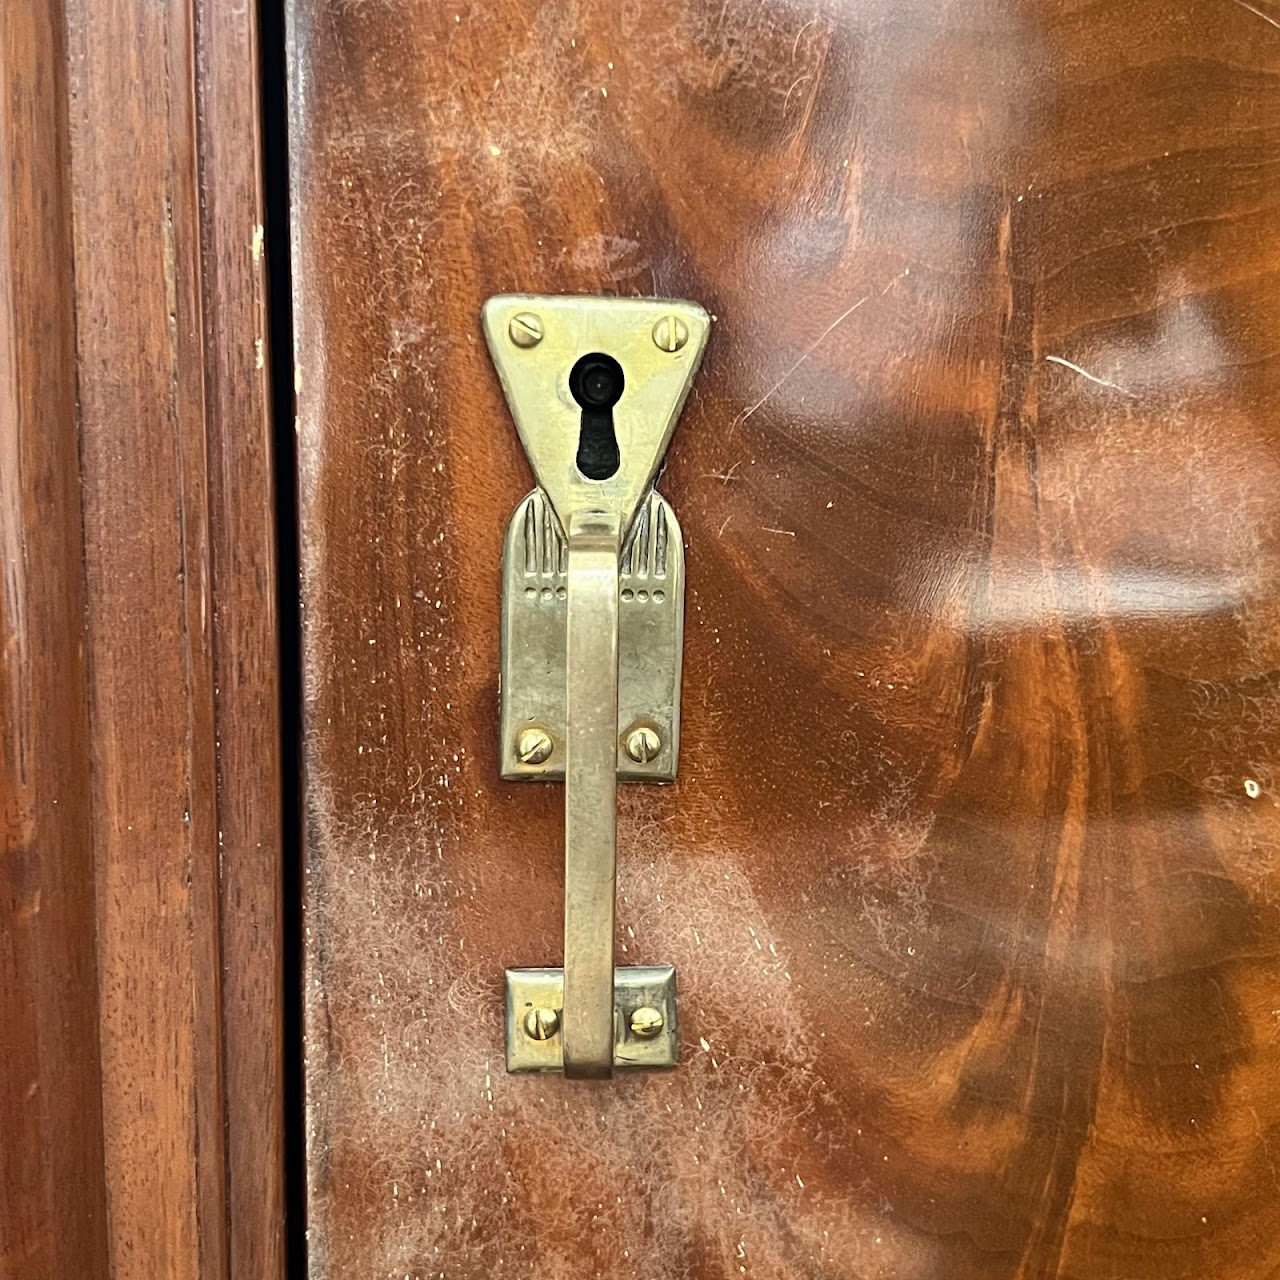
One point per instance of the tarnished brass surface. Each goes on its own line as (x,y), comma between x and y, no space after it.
(565,543)
(590,792)
(535,602)
(644,1030)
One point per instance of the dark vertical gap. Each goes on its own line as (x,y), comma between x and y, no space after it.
(275,153)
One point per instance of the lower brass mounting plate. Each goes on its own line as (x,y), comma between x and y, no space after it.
(637,990)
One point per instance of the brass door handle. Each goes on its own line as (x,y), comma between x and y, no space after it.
(592,632)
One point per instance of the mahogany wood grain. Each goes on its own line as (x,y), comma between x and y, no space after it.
(246,653)
(973,868)
(140,1079)
(147,574)
(52,1186)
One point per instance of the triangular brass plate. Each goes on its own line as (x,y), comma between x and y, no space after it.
(535,343)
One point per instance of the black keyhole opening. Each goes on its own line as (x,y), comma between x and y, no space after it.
(596,383)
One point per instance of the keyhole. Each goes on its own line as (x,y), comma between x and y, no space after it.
(596,383)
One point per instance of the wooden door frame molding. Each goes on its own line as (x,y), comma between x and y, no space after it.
(52,1184)
(141,1084)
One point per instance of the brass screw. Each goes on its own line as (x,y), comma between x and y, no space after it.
(533,745)
(670,333)
(541,1024)
(647,1022)
(525,329)
(643,744)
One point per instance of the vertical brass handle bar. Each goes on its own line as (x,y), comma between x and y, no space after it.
(590,796)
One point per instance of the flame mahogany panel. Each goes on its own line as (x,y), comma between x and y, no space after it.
(971,874)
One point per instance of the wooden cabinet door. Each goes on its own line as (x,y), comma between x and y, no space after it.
(971,871)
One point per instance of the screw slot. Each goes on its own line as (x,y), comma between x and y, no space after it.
(525,329)
(642,744)
(533,746)
(670,333)
(541,1024)
(647,1022)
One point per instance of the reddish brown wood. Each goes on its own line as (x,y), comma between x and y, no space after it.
(147,572)
(52,1189)
(245,643)
(971,871)
(141,1106)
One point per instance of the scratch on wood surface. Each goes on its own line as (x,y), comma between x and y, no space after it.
(795,44)
(1266,17)
(1092,377)
(723,476)
(795,84)
(813,346)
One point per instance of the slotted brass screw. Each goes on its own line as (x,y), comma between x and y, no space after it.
(670,333)
(525,329)
(533,746)
(647,1022)
(643,744)
(541,1024)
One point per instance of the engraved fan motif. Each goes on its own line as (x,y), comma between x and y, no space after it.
(651,574)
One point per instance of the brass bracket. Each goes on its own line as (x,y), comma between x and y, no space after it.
(535,608)
(592,630)
(644,1018)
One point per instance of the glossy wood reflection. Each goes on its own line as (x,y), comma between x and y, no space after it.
(971,871)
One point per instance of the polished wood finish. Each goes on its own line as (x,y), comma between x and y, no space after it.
(246,647)
(53,1218)
(147,581)
(971,873)
(141,658)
